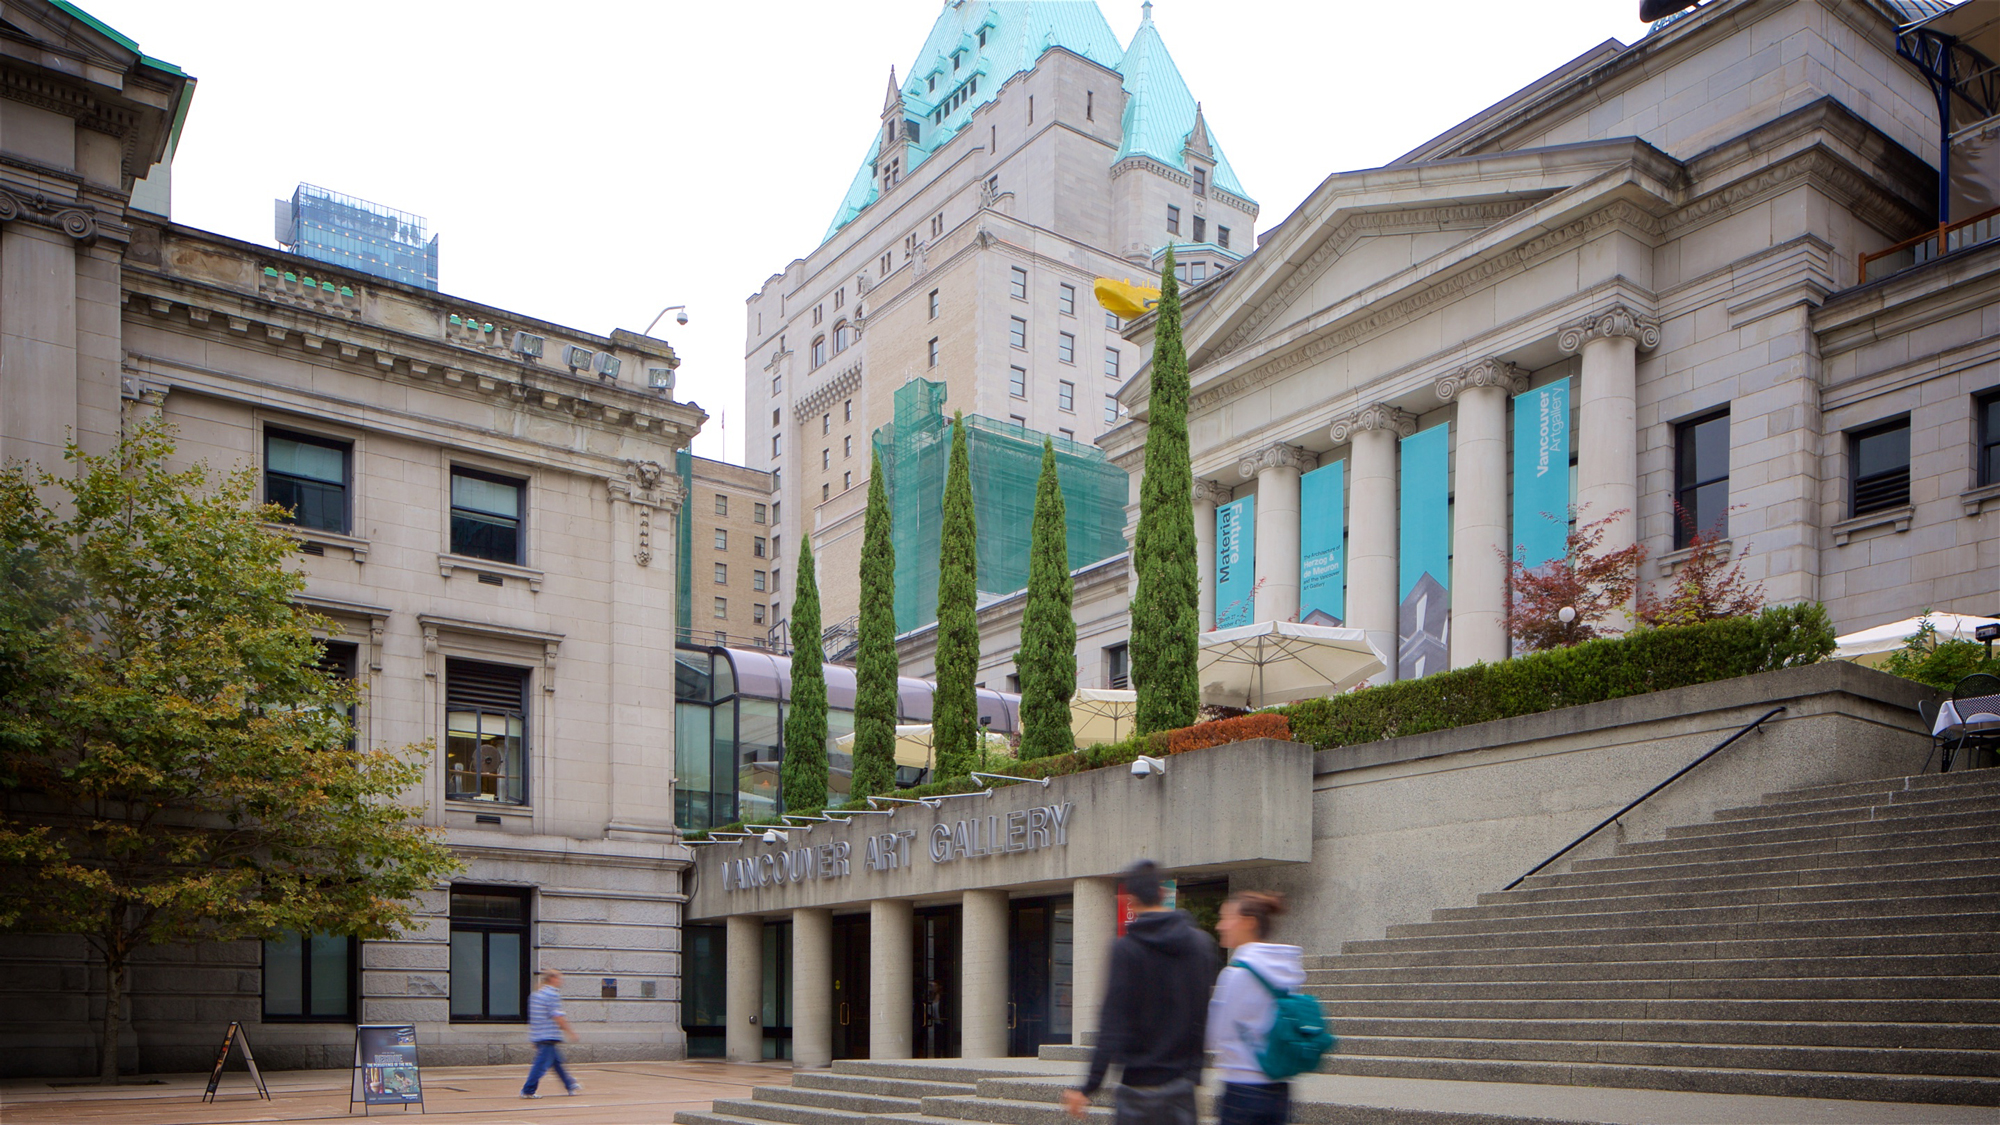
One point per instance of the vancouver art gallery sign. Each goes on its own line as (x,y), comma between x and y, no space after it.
(978,837)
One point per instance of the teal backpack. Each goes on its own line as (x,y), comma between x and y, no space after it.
(1299,1035)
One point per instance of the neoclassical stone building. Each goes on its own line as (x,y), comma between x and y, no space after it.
(1655,249)
(486,506)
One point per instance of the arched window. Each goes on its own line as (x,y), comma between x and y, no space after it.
(818,350)
(843,337)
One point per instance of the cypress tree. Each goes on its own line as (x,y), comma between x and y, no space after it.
(1164,616)
(875,665)
(955,712)
(1048,630)
(803,771)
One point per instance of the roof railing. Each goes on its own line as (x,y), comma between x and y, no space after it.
(1943,240)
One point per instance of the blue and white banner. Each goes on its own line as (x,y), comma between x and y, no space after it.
(1235,562)
(1541,474)
(1423,619)
(1322,547)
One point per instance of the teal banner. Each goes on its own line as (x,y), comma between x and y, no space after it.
(1235,562)
(1322,549)
(1541,474)
(1423,619)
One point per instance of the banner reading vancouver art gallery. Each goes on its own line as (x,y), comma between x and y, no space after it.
(1322,549)
(1235,562)
(1541,474)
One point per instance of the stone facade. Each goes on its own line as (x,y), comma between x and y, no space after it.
(730,564)
(109,313)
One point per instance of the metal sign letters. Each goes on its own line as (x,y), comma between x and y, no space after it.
(1023,830)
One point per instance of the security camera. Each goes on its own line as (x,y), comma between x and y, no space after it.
(681,317)
(1144,767)
(773,836)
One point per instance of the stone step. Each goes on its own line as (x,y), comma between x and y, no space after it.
(1950,805)
(1904,965)
(1946,840)
(1985,987)
(1728,1055)
(1887,875)
(710,1117)
(1981,882)
(1720,1080)
(821,1098)
(1668,866)
(1004,1111)
(1742,835)
(788,1113)
(1974,788)
(1778,948)
(926,1070)
(887,1087)
(1062,1052)
(1889,926)
(1951,1013)
(1620,912)
(1837,1033)
(1887,786)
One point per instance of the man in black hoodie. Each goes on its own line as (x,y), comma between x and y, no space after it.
(1155,1011)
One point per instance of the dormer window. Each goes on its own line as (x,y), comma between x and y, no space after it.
(982,37)
(930,84)
(954,62)
(1200,181)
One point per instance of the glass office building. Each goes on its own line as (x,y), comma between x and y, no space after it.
(358,235)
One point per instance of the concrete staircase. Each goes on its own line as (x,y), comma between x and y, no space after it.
(1834,942)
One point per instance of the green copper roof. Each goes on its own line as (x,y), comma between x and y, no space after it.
(116,36)
(1160,111)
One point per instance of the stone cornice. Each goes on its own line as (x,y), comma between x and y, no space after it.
(1616,322)
(1277,455)
(1212,492)
(840,386)
(1374,416)
(1487,372)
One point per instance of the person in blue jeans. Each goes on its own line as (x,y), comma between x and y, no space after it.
(548,1026)
(1241,1013)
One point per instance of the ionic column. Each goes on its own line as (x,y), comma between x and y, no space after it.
(743,997)
(1093,927)
(1607,461)
(812,987)
(1480,542)
(1372,522)
(1207,496)
(1277,469)
(982,975)
(891,978)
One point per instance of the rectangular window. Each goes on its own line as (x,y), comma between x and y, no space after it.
(1111,362)
(308,477)
(777,445)
(1018,420)
(1222,237)
(1701,478)
(826,459)
(846,481)
(721,504)
(757,513)
(1173,219)
(847,446)
(1117,669)
(757,546)
(1200,229)
(757,613)
(1066,395)
(1066,435)
(757,578)
(1017,332)
(1019,283)
(309,979)
(722,574)
(777,384)
(825,491)
(489,954)
(1066,347)
(1110,409)
(486,516)
(1881,459)
(1089,105)
(722,539)
(825,424)
(486,732)
(1198,271)
(1200,188)
(1017,382)
(934,304)
(934,350)
(847,410)
(1066,299)
(777,581)
(1988,411)
(722,607)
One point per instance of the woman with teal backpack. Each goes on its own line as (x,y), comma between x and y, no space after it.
(1260,1028)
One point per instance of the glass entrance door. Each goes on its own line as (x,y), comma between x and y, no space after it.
(850,986)
(1039,964)
(936,1020)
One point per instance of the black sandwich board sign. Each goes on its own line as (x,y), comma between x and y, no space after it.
(385,1067)
(236,1036)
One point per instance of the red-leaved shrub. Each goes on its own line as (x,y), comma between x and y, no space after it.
(1217,732)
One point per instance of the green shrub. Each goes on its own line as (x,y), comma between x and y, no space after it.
(1646,660)
(1941,664)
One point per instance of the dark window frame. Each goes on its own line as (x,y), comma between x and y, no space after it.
(346,450)
(306,984)
(1986,464)
(520,487)
(1877,491)
(1688,481)
(486,927)
(461,666)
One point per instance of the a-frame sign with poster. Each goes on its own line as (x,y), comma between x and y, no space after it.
(385,1068)
(236,1036)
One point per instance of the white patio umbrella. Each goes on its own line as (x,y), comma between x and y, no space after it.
(1101,715)
(1872,646)
(1271,662)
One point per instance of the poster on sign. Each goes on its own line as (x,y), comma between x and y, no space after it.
(1128,907)
(385,1067)
(239,1038)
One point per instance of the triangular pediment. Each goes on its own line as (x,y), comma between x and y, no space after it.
(69,32)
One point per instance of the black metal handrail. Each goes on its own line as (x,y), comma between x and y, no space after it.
(1719,747)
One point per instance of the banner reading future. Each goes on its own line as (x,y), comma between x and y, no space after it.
(1235,562)
(1322,550)
(1423,618)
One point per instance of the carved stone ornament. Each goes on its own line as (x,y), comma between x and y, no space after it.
(1618,320)
(1277,455)
(1486,373)
(79,221)
(1212,493)
(1374,416)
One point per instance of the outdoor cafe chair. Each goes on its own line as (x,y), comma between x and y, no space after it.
(1970,719)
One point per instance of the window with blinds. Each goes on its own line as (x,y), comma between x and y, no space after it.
(486,732)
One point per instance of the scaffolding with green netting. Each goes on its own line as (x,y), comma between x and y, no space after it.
(1006,461)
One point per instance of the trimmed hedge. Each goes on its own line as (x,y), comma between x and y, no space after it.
(1221,732)
(1642,661)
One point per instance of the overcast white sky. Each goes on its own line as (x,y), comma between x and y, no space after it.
(591,162)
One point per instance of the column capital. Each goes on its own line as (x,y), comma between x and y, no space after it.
(1618,320)
(1211,492)
(1375,416)
(1488,372)
(1277,455)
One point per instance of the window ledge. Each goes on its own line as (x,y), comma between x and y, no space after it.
(449,562)
(1672,560)
(1976,499)
(488,808)
(356,546)
(1900,517)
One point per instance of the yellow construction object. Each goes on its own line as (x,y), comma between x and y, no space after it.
(1124,299)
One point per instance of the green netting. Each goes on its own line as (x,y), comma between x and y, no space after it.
(1006,460)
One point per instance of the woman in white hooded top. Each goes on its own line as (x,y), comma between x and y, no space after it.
(1241,1011)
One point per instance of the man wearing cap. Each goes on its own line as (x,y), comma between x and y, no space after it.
(1155,1011)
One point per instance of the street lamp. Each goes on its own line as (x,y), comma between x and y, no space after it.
(681,319)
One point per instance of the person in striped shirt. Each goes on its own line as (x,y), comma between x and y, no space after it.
(547,1028)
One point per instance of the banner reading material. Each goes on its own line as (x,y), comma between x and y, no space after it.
(1322,552)
(1423,619)
(1541,474)
(1235,562)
